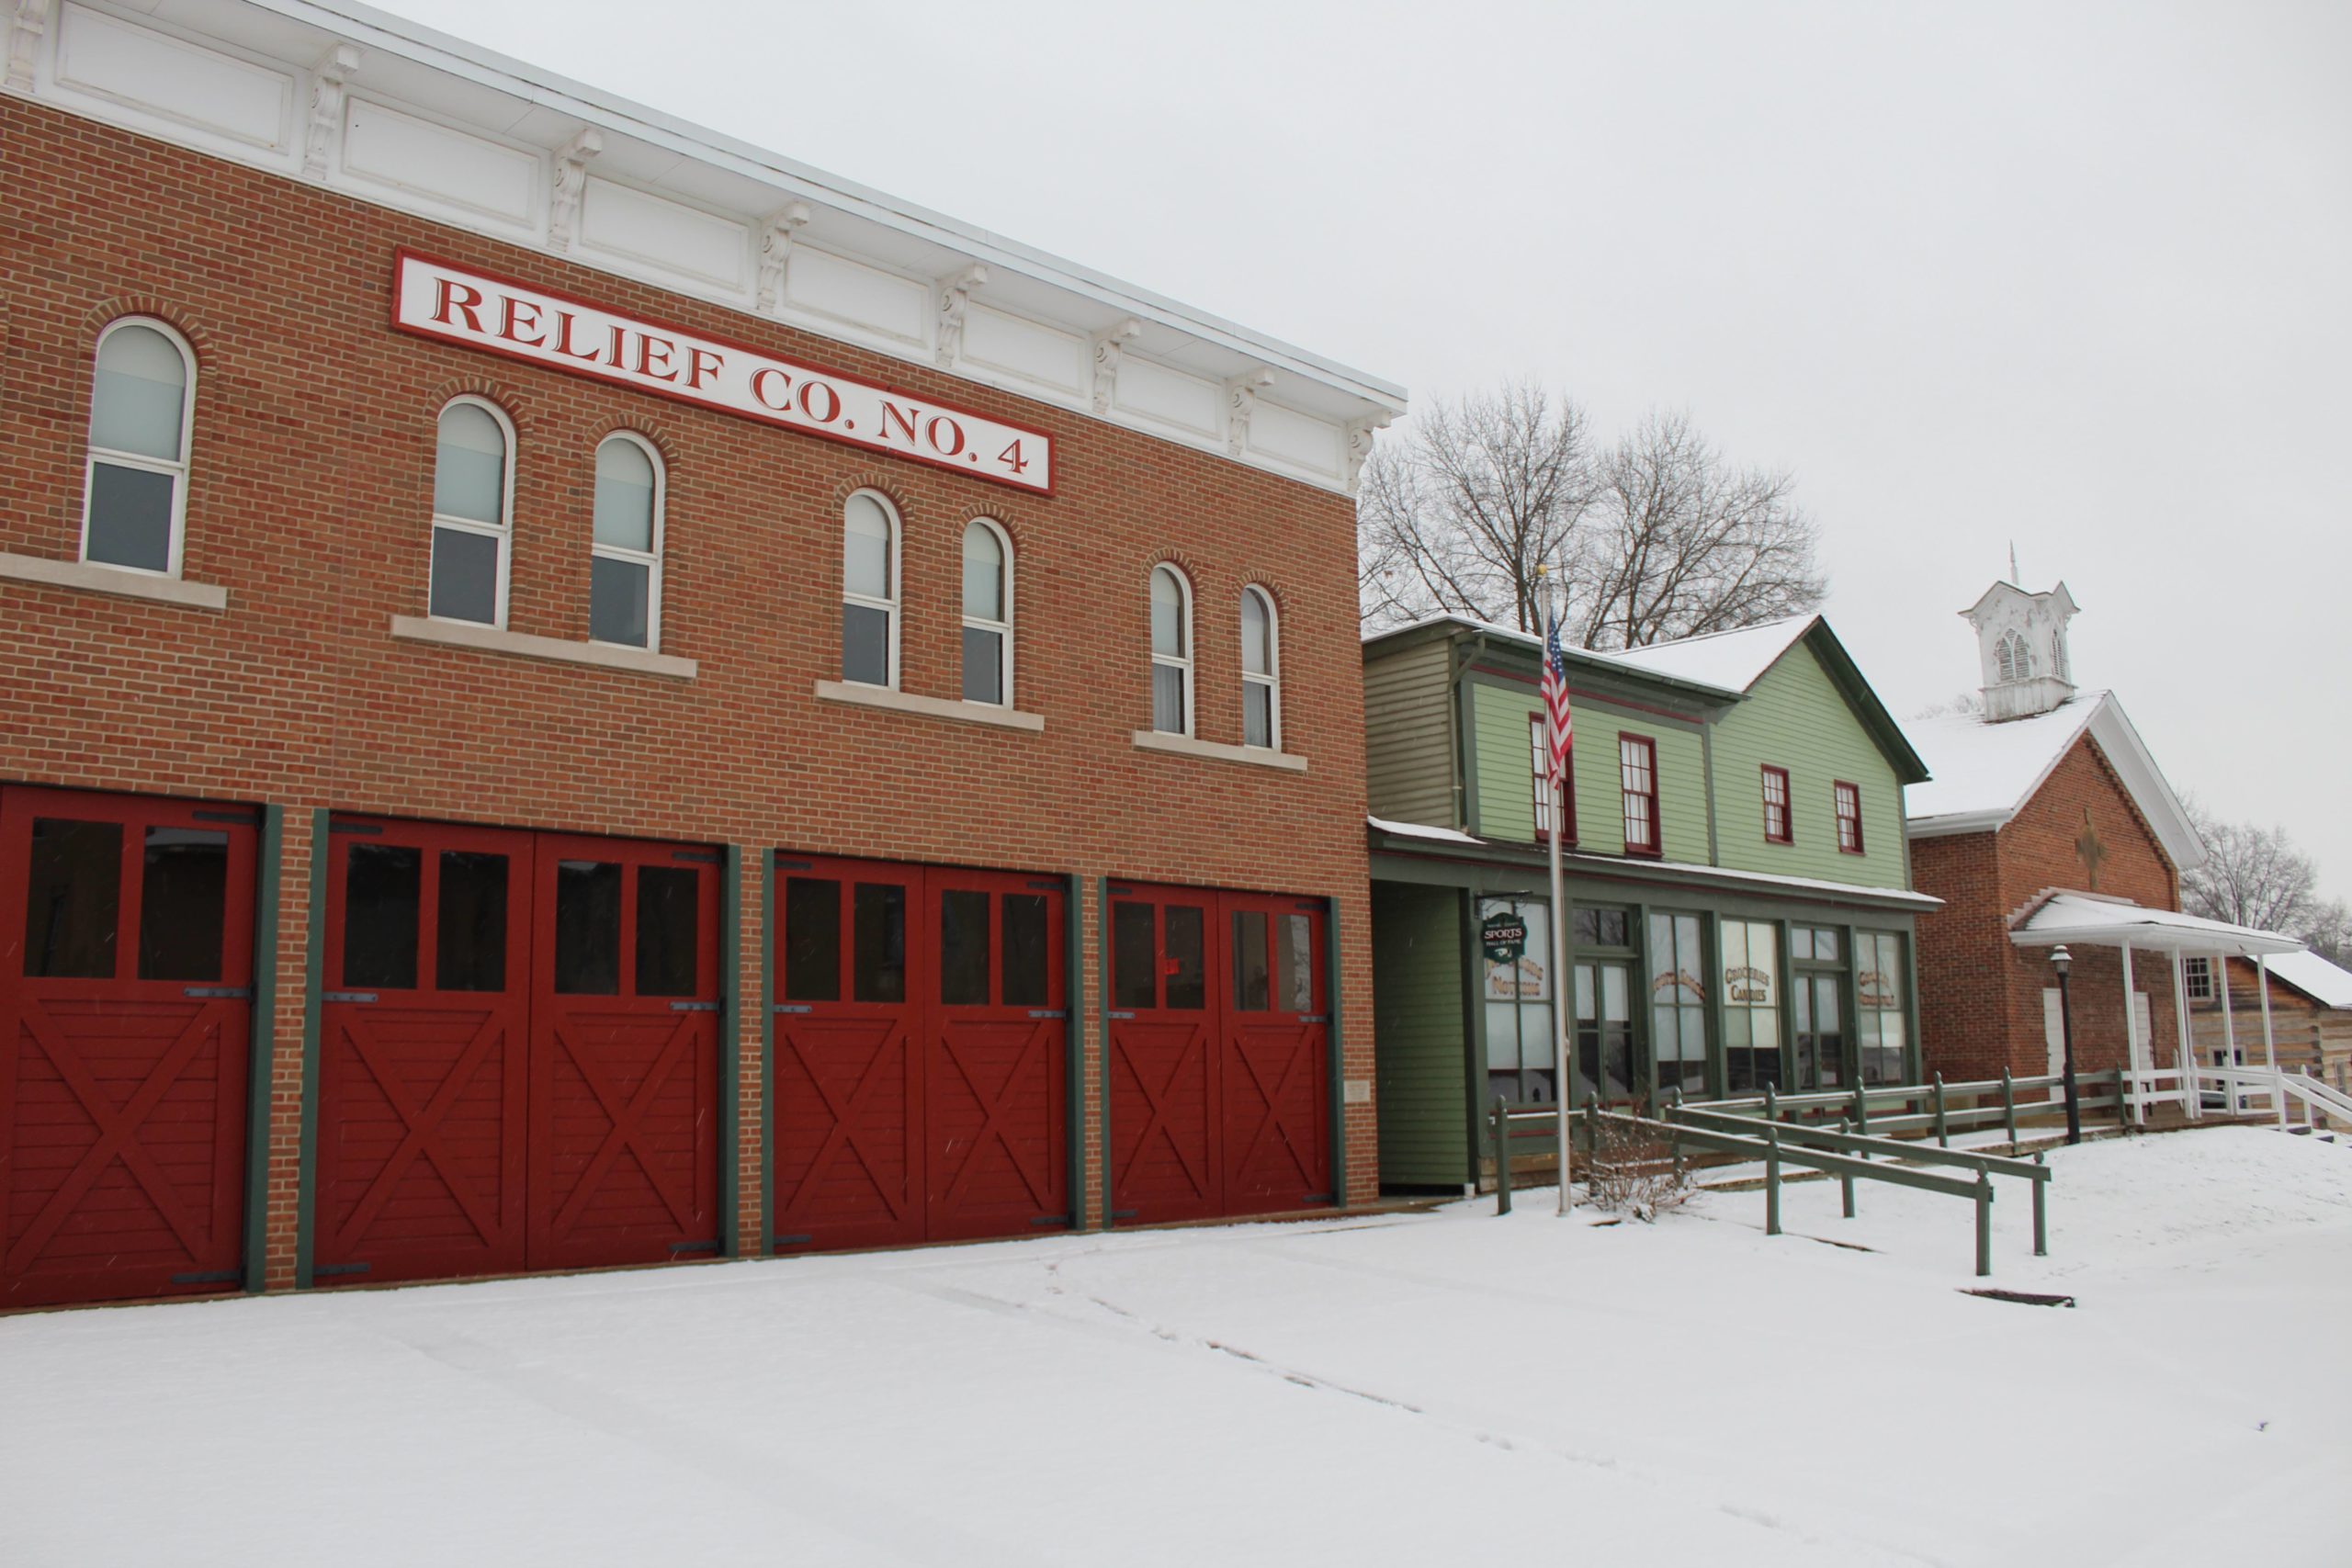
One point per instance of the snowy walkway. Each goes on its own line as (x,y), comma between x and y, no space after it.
(1423,1390)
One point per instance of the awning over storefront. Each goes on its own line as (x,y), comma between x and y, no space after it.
(2110,922)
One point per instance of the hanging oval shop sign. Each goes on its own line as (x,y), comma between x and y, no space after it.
(1503,936)
(454,304)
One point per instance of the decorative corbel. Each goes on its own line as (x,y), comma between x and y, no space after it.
(571,184)
(776,250)
(335,68)
(1360,435)
(1240,403)
(24,29)
(1110,349)
(955,293)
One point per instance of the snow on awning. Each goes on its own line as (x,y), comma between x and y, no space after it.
(1422,831)
(2107,922)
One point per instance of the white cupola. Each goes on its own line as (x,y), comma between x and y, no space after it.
(2021,639)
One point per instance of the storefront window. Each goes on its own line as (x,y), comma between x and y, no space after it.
(1679,1003)
(1878,1018)
(1751,980)
(1515,944)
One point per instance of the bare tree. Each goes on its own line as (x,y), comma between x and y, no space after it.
(2328,929)
(1684,543)
(2251,876)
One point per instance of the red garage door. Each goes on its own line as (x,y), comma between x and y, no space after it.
(1219,1053)
(518,1054)
(921,1054)
(126,977)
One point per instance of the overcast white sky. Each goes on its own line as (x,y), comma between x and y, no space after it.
(2075,276)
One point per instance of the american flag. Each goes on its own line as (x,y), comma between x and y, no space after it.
(1556,705)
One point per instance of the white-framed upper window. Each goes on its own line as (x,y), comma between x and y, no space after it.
(870,591)
(1262,670)
(1171,652)
(624,564)
(473,513)
(2200,974)
(987,614)
(134,506)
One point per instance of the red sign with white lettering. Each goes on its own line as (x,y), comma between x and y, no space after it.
(454,304)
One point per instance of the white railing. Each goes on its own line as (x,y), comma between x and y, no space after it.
(2247,1091)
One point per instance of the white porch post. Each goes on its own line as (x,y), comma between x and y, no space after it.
(2270,1043)
(2184,1052)
(2221,962)
(2131,1041)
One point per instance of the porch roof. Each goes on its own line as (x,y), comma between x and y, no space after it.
(2112,922)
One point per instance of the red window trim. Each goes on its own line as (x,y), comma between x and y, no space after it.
(1567,806)
(1838,790)
(1649,743)
(1788,833)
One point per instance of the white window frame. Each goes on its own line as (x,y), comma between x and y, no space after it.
(888,606)
(652,561)
(179,471)
(1183,665)
(1003,629)
(502,531)
(1272,679)
(2202,975)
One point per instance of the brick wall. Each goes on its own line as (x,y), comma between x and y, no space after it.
(312,482)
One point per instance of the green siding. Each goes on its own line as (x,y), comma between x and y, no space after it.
(1796,718)
(1504,763)
(1417,1011)
(1501,758)
(1408,735)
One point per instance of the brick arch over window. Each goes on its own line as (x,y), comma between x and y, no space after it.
(181,319)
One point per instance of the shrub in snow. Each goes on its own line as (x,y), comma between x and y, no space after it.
(1634,1171)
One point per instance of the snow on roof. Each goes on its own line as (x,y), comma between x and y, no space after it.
(1734,660)
(1422,830)
(1644,665)
(2328,983)
(2110,922)
(1980,767)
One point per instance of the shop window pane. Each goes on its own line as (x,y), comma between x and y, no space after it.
(983,665)
(669,931)
(381,900)
(1602,928)
(465,576)
(1502,1037)
(1250,988)
(1294,963)
(624,513)
(1168,699)
(812,939)
(1826,944)
(184,890)
(964,948)
(1134,960)
(469,922)
(74,899)
(130,516)
(470,465)
(878,966)
(1801,941)
(866,645)
(1028,935)
(587,927)
(1257,715)
(620,600)
(1188,972)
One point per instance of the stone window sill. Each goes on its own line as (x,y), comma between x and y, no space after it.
(1218,751)
(521,645)
(930,707)
(121,582)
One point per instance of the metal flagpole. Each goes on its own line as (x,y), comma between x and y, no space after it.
(1563,982)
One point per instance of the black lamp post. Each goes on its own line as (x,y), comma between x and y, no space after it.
(2061,961)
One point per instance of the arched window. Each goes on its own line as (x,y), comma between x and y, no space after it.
(473,502)
(1171,652)
(624,565)
(2058,656)
(135,489)
(987,614)
(870,591)
(2015,657)
(1262,670)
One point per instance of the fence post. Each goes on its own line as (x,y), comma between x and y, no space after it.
(1862,1116)
(1847,1181)
(1984,1223)
(1943,1138)
(2122,1105)
(2010,1108)
(1772,1103)
(1502,1157)
(1771,1177)
(2040,1214)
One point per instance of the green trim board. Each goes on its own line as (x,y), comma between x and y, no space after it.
(261,1053)
(765,1243)
(1339,1061)
(1074,1055)
(313,1004)
(730,1051)
(1102,1027)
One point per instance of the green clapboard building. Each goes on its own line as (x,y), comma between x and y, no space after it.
(1741,911)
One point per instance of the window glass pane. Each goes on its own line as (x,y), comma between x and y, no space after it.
(983,573)
(1187,965)
(1293,963)
(1249,976)
(878,967)
(470,465)
(184,890)
(866,553)
(1167,699)
(469,922)
(620,601)
(1133,961)
(964,948)
(587,927)
(812,939)
(1257,715)
(1257,657)
(1027,935)
(1167,614)
(1502,1036)
(72,899)
(983,665)
(669,922)
(382,899)
(465,576)
(866,645)
(624,496)
(1826,944)
(130,516)
(140,393)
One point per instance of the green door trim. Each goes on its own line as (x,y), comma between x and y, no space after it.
(1074,1056)
(261,1053)
(731,1050)
(1102,1020)
(1338,1057)
(764,1243)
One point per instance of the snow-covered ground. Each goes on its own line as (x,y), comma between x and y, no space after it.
(1431,1389)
